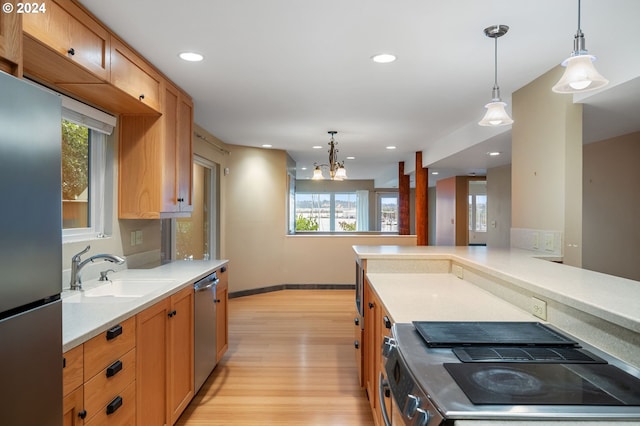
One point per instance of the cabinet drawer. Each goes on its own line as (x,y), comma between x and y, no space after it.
(124,415)
(104,349)
(134,76)
(72,372)
(101,389)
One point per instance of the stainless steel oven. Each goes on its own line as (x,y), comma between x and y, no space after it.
(473,376)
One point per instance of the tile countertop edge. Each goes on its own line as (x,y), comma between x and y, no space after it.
(579,288)
(76,330)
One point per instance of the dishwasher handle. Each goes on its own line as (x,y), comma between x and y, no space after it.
(206,283)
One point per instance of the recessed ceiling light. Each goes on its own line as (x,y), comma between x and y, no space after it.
(316,147)
(303,168)
(191,56)
(435,173)
(383,58)
(391,147)
(266,145)
(494,153)
(351,158)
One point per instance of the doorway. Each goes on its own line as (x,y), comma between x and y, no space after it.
(197,237)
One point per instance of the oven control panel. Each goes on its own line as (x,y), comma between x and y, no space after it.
(410,403)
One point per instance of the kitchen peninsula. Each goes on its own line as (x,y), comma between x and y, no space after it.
(600,309)
(399,285)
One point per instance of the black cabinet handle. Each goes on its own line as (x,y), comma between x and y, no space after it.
(71,51)
(356,344)
(223,269)
(114,332)
(172,313)
(371,305)
(216,300)
(114,368)
(82,414)
(356,321)
(64,362)
(141,97)
(180,200)
(114,405)
(387,322)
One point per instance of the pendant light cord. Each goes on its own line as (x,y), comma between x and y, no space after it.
(495,62)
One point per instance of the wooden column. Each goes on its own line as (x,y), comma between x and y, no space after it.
(404,192)
(422,214)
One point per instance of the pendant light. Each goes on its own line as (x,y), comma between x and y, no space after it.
(496,114)
(336,168)
(580,74)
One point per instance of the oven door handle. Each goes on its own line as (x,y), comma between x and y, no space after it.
(383,384)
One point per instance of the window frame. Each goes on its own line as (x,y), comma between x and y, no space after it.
(100,188)
(333,221)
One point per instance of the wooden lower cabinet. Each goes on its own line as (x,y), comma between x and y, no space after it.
(377,325)
(73,408)
(165,359)
(222,314)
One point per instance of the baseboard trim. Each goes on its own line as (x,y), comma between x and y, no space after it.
(279,287)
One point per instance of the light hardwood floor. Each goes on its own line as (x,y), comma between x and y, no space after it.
(290,362)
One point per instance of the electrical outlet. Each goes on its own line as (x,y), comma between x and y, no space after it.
(539,308)
(549,242)
(458,271)
(133,238)
(138,237)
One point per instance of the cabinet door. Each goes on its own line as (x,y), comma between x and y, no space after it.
(72,371)
(72,411)
(72,33)
(151,366)
(180,380)
(222,316)
(184,154)
(10,43)
(370,367)
(134,76)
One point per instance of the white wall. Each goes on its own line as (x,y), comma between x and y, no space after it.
(547,163)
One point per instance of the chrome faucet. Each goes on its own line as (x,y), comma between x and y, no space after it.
(77,264)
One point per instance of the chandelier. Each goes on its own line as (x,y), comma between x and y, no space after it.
(336,168)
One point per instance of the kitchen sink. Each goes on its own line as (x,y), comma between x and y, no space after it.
(118,290)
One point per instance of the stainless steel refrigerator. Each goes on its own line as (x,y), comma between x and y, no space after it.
(30,255)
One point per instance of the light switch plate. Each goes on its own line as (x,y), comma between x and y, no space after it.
(138,237)
(133,238)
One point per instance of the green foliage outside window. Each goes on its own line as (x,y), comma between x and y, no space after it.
(346,226)
(75,160)
(306,223)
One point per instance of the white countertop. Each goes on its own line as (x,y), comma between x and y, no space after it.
(83,320)
(611,298)
(433,295)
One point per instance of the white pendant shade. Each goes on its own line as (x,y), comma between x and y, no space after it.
(496,115)
(317,174)
(341,173)
(580,76)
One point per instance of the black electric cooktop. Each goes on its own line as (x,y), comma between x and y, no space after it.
(545,384)
(447,334)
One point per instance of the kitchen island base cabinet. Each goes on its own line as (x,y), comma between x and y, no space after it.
(165,359)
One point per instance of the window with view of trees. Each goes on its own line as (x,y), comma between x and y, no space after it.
(325,212)
(478,213)
(86,173)
(75,175)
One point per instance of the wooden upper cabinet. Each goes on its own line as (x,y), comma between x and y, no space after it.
(69,31)
(11,43)
(131,74)
(155,154)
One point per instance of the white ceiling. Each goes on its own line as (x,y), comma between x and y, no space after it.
(284,72)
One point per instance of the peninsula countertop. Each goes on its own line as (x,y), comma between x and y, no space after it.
(82,320)
(611,298)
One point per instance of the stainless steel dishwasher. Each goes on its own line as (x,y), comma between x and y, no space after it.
(205,350)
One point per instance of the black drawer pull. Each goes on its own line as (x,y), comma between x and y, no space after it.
(114,405)
(71,51)
(114,332)
(387,322)
(82,414)
(356,321)
(114,368)
(356,344)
